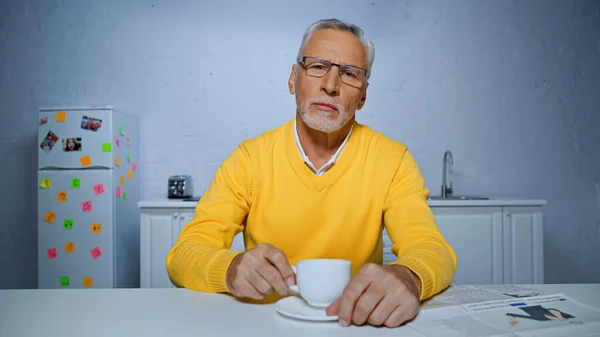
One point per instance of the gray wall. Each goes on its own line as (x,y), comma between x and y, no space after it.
(511,87)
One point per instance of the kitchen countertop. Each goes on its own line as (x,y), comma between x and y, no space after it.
(492,201)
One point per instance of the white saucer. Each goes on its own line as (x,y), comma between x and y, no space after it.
(296,307)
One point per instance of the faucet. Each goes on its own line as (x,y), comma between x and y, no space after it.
(446,190)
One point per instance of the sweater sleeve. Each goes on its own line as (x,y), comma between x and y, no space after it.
(201,256)
(410,224)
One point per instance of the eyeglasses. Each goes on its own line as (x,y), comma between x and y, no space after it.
(351,75)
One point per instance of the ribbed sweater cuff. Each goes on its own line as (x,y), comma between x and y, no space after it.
(218,270)
(421,271)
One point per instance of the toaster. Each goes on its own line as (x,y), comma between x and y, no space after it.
(180,186)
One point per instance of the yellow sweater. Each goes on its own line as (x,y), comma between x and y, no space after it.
(264,189)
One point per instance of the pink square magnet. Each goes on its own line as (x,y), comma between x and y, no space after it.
(95,252)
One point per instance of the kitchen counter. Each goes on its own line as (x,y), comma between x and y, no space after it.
(492,201)
(167,203)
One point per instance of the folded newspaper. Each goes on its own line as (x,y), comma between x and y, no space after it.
(505,310)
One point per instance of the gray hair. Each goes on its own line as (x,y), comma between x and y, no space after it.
(341,26)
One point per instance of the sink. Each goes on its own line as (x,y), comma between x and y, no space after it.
(457,197)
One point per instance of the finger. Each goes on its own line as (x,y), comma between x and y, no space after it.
(366,304)
(246,289)
(334,307)
(407,309)
(259,283)
(383,311)
(278,259)
(270,274)
(397,317)
(354,289)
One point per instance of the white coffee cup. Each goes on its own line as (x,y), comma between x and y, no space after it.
(321,281)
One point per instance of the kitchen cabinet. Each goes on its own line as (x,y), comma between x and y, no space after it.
(523,245)
(493,244)
(497,241)
(159,230)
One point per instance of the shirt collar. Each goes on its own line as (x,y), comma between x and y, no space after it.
(335,156)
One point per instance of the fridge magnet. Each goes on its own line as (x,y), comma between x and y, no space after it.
(124,195)
(75,182)
(85,161)
(98,189)
(89,123)
(62,196)
(69,247)
(128,141)
(86,206)
(118,161)
(61,117)
(46,183)
(119,191)
(107,147)
(71,144)
(48,143)
(68,224)
(95,252)
(128,157)
(129,174)
(49,217)
(122,131)
(117,141)
(88,282)
(96,228)
(122,180)
(133,166)
(64,281)
(43,120)
(52,253)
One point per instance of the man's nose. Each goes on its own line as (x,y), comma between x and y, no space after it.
(330,83)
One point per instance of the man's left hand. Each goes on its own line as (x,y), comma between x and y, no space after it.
(380,295)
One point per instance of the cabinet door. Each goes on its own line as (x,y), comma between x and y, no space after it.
(475,233)
(156,234)
(523,245)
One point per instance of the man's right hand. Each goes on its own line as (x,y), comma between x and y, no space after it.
(260,271)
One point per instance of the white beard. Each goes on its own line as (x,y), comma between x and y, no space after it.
(322,120)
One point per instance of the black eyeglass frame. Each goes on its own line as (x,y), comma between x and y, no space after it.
(303,61)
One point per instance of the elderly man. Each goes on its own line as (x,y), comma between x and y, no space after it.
(320,186)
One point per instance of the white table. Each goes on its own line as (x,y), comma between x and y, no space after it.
(179,312)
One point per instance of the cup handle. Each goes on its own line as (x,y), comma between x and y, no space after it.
(294,287)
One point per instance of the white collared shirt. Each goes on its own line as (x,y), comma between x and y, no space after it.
(329,163)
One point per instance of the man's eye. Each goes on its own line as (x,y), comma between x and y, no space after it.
(317,67)
(350,74)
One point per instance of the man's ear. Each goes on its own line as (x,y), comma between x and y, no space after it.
(292,80)
(363,99)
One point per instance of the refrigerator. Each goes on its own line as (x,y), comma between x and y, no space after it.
(88,189)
